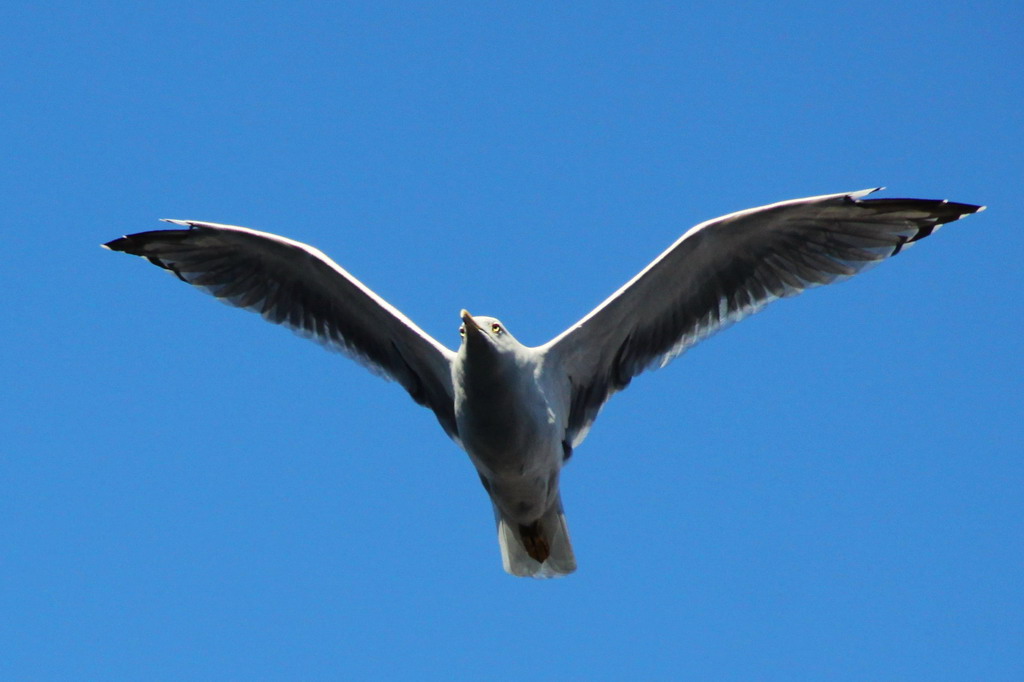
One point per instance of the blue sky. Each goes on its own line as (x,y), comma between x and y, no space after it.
(829,490)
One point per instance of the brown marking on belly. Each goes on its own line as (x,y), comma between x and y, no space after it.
(534,541)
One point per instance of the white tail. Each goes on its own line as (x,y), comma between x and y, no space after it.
(539,550)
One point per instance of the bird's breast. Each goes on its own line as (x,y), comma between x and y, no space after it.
(509,428)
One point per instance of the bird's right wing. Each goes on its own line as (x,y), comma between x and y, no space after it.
(727,268)
(295,285)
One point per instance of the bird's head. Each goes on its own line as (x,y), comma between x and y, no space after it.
(481,332)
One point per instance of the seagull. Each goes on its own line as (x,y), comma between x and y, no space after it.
(519,412)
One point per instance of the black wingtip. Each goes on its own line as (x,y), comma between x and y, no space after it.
(118,244)
(960,210)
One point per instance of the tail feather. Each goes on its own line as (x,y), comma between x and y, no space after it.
(539,550)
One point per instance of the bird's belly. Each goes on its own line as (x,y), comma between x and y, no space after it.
(511,451)
(523,482)
(518,457)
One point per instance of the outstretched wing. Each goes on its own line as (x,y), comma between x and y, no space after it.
(725,269)
(295,285)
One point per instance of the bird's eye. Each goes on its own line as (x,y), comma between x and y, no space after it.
(496,328)
(462,330)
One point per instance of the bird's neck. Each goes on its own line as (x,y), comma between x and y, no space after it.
(485,372)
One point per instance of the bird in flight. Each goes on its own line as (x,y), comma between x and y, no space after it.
(520,411)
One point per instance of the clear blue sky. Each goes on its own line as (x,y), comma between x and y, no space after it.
(831,489)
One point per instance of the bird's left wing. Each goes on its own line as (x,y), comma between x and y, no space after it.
(727,268)
(296,285)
